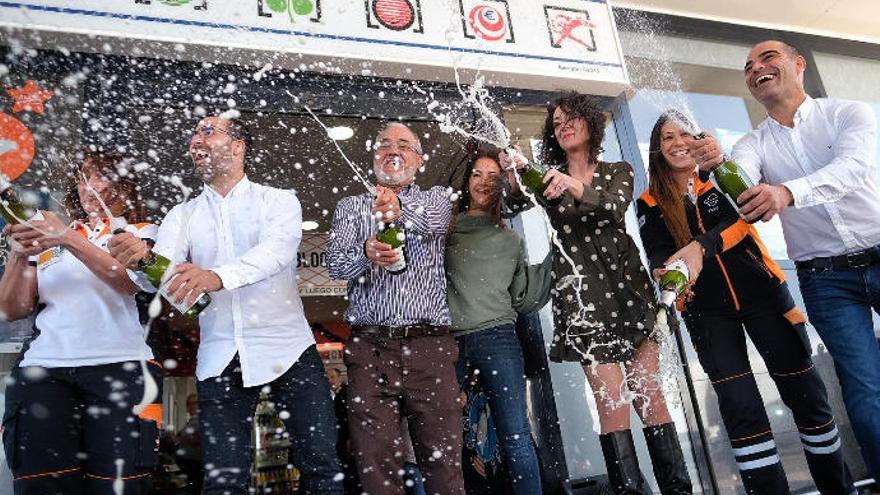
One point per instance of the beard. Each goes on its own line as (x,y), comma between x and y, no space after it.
(395,178)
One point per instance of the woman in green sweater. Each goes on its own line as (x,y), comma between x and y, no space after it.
(489,281)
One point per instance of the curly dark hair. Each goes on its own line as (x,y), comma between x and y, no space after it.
(108,164)
(574,104)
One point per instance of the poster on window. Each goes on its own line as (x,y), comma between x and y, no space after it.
(311,267)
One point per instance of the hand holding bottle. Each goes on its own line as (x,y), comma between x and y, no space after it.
(764,201)
(39,234)
(557,183)
(512,162)
(190,282)
(387,205)
(128,249)
(20,242)
(707,151)
(380,253)
(692,255)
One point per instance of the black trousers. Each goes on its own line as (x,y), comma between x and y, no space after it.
(720,343)
(301,396)
(72,431)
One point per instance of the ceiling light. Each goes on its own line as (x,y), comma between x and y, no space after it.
(309,225)
(340,133)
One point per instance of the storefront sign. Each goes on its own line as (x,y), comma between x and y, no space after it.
(311,268)
(541,44)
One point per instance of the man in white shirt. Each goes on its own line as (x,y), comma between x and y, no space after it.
(816,164)
(237,240)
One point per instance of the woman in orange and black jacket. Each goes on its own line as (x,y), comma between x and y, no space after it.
(737,289)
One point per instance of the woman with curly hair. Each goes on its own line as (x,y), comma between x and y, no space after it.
(69,425)
(604,305)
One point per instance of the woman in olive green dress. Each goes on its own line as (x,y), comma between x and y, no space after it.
(604,304)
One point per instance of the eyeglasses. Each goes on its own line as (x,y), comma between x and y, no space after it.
(387,145)
(207,131)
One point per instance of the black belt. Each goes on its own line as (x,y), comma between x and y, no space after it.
(858,259)
(401,332)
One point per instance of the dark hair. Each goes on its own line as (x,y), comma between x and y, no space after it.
(238,130)
(662,184)
(464,199)
(574,105)
(787,47)
(111,165)
(791,49)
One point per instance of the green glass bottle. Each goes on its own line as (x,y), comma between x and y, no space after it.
(12,209)
(154,267)
(731,179)
(533,178)
(395,236)
(673,283)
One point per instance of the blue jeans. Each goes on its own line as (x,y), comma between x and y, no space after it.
(412,479)
(839,303)
(497,354)
(225,420)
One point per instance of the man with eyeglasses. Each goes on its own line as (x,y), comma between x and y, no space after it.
(401,358)
(237,240)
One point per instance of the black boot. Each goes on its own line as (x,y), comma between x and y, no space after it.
(622,463)
(669,468)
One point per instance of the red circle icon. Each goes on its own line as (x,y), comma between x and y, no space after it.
(16,147)
(394,14)
(488,23)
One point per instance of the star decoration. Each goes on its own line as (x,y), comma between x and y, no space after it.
(29,97)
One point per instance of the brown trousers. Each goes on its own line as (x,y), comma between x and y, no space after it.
(415,377)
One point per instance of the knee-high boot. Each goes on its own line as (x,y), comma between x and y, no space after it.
(670,470)
(622,463)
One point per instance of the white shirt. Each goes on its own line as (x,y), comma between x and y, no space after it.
(827,161)
(85,321)
(249,239)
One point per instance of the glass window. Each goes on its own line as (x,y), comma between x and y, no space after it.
(852,78)
(575,404)
(704,78)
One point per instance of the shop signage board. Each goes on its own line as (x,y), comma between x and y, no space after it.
(540,44)
(313,276)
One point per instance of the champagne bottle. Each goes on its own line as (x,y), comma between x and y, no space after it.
(532,176)
(395,236)
(730,178)
(673,283)
(154,267)
(13,210)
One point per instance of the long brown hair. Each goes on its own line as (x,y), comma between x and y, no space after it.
(110,165)
(662,184)
(464,200)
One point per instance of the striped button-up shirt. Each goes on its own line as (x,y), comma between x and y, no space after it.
(376,297)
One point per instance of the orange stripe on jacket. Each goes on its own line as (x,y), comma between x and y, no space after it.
(733,235)
(152,412)
(48,473)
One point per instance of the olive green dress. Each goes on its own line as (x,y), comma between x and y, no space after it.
(606,311)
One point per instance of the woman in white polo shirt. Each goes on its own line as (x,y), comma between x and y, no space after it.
(69,425)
